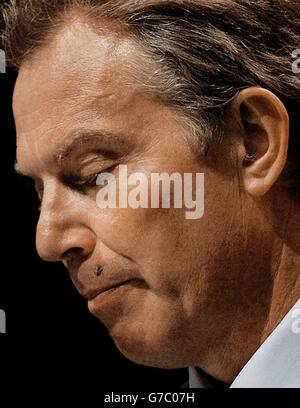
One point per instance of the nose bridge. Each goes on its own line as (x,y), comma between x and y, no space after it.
(53,209)
(60,226)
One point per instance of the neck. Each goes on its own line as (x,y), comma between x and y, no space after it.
(286,271)
(272,287)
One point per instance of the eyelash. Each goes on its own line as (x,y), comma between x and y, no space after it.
(87,181)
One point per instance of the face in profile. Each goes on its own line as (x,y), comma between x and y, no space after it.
(171,288)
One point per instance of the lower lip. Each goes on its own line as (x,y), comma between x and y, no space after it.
(108,296)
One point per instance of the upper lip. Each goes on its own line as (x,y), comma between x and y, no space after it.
(80,278)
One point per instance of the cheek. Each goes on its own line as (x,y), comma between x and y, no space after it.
(136,232)
(152,238)
(169,250)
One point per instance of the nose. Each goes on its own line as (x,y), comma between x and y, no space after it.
(63,229)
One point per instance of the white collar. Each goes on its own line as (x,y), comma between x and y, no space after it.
(276,364)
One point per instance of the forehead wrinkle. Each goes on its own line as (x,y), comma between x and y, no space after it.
(74,141)
(98,59)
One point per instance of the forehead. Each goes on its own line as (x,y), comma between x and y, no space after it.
(78,68)
(77,50)
(76,56)
(80,77)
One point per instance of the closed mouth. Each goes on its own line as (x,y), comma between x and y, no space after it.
(110,289)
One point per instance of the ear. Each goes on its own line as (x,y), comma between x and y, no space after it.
(264,124)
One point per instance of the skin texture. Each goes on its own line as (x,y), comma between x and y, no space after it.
(206,292)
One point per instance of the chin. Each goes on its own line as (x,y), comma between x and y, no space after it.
(158,349)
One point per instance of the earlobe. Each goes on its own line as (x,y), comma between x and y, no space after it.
(265,133)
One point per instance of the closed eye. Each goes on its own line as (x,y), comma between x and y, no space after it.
(81,183)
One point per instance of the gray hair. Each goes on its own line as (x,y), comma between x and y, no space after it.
(205,51)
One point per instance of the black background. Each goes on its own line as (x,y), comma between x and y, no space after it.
(50,333)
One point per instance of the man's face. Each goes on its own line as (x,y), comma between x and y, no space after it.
(184,275)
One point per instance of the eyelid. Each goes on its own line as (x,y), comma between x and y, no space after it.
(94,164)
(93,177)
(89,180)
(80,182)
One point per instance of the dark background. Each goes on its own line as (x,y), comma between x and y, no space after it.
(54,350)
(50,333)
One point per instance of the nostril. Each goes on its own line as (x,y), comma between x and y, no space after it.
(74,256)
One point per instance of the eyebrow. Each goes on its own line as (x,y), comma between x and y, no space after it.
(81,138)
(85,137)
